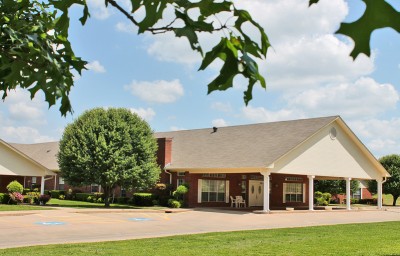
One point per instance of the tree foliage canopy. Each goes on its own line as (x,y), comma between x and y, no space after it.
(392,184)
(35,52)
(111,148)
(335,187)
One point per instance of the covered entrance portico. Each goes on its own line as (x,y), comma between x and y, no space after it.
(15,165)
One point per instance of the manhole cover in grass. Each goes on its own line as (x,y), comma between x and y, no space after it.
(50,223)
(139,219)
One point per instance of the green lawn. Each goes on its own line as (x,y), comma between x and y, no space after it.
(388,200)
(353,239)
(22,207)
(80,204)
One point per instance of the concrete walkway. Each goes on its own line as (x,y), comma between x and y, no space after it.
(68,225)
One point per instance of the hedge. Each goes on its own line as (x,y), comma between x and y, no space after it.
(82,196)
(4,198)
(143,199)
(56,193)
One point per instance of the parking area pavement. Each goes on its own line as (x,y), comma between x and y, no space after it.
(68,225)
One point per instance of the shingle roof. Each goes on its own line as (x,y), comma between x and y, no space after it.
(43,153)
(255,145)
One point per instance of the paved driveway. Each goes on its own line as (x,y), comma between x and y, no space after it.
(87,225)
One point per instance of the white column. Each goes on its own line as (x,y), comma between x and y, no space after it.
(42,185)
(311,192)
(379,184)
(348,199)
(266,191)
(55,182)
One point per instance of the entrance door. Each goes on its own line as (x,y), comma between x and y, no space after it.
(256,193)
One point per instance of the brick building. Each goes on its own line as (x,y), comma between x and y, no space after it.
(270,165)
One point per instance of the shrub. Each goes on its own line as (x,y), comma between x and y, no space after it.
(82,196)
(122,200)
(33,197)
(100,200)
(17,197)
(322,198)
(4,198)
(26,190)
(61,197)
(57,193)
(89,198)
(43,199)
(15,186)
(162,193)
(143,199)
(180,192)
(69,194)
(172,203)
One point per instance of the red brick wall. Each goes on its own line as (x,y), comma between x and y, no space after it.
(366,194)
(276,195)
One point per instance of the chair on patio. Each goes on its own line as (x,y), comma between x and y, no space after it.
(240,201)
(233,201)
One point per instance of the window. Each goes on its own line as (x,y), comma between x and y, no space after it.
(180,182)
(34,180)
(61,183)
(213,191)
(357,194)
(94,188)
(123,192)
(292,192)
(181,174)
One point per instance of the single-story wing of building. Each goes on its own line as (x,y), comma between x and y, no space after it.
(267,165)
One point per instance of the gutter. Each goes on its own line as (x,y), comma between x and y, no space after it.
(166,171)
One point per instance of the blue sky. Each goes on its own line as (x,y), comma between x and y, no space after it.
(308,71)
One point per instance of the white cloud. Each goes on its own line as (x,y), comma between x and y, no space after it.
(220,106)
(260,114)
(98,9)
(22,108)
(146,114)
(96,67)
(159,91)
(126,27)
(176,128)
(170,49)
(219,122)
(23,134)
(382,136)
(363,98)
(311,61)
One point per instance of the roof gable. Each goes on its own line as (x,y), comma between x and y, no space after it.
(327,155)
(43,153)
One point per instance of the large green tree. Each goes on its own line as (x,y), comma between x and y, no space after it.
(35,52)
(392,184)
(335,186)
(110,147)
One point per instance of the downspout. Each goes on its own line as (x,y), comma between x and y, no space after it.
(170,174)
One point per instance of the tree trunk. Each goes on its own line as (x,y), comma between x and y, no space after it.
(395,199)
(107,192)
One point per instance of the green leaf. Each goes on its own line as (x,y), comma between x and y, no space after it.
(378,14)
(313,2)
(154,11)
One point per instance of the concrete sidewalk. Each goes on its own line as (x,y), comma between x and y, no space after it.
(68,225)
